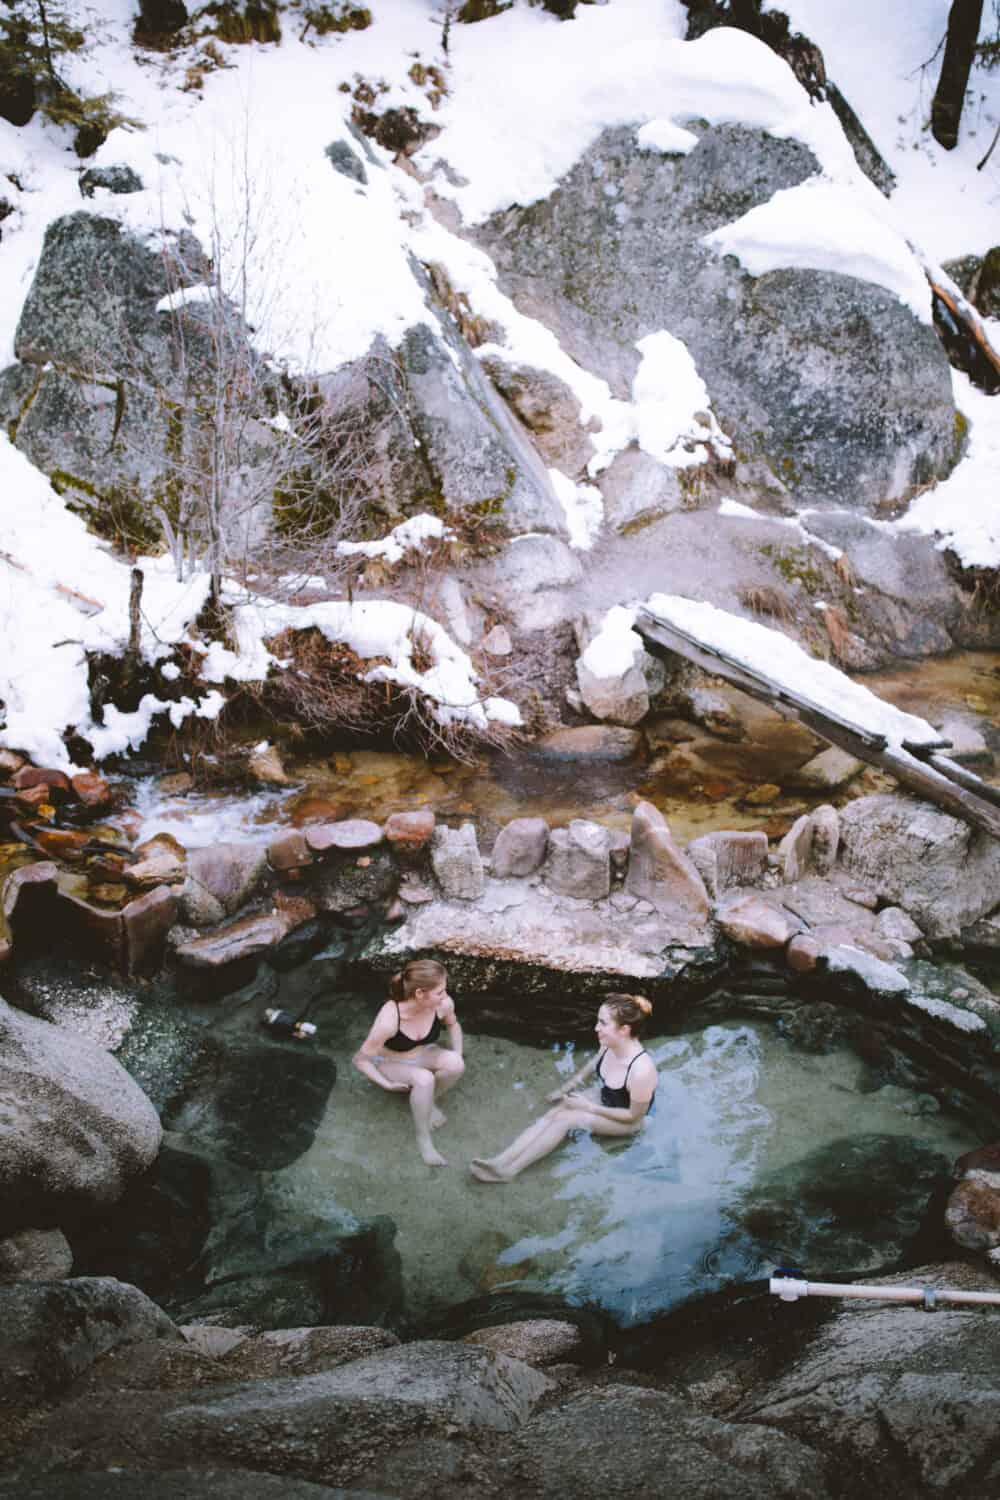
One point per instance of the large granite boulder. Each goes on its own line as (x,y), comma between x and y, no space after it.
(941,871)
(830,384)
(77,1128)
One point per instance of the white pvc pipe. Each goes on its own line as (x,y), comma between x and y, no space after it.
(790,1289)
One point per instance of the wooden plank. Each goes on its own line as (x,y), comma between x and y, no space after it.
(938,779)
(758,684)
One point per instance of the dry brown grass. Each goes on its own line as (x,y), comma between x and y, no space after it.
(766,599)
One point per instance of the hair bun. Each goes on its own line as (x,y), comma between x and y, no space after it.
(646,1006)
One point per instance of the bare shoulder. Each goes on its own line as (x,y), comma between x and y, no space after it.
(384,1023)
(644,1067)
(447,1012)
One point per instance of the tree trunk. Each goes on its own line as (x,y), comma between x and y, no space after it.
(959,50)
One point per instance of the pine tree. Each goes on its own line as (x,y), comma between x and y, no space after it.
(34,36)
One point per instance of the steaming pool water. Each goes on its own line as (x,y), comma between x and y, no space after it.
(756,1151)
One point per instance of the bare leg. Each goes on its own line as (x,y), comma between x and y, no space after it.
(447,1068)
(542,1138)
(421,1082)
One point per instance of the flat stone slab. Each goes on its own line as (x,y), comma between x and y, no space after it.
(243,939)
(590,742)
(351,834)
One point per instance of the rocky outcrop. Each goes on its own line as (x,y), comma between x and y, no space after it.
(78,1127)
(618,251)
(35,1255)
(918,1391)
(52,1331)
(661,873)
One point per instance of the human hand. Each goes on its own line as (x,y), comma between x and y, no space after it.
(556,1097)
(396,1088)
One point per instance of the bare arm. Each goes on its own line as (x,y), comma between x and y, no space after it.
(383,1028)
(575,1081)
(450,1019)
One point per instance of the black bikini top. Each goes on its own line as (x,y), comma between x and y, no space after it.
(619,1098)
(400,1042)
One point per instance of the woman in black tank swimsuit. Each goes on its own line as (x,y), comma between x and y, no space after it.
(626,1074)
(401,1052)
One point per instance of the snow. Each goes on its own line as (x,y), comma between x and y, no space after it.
(191,296)
(616,646)
(240,160)
(962,511)
(674,419)
(781,659)
(736,510)
(371,628)
(408,536)
(826,226)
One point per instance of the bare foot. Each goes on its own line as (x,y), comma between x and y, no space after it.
(438,1118)
(484,1171)
(431,1157)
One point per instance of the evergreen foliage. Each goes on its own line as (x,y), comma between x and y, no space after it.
(34,35)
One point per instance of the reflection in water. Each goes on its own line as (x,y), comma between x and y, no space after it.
(636,1226)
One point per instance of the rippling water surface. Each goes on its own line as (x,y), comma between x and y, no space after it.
(635,1227)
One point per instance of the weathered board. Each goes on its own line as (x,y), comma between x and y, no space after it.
(921,768)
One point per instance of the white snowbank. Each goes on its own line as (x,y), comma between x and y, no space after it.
(616,646)
(583,507)
(826,226)
(665,136)
(962,511)
(785,662)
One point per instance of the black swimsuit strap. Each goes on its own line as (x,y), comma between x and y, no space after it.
(629,1068)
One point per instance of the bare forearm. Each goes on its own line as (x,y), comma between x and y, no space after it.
(368,1069)
(455,1038)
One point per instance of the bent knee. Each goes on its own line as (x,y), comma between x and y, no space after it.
(421,1078)
(452,1064)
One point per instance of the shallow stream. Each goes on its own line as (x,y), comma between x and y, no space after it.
(757,1154)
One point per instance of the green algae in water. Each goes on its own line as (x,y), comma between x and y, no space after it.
(757,1153)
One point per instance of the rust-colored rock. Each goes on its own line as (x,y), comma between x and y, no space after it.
(754,922)
(91,789)
(37,877)
(289,851)
(32,798)
(981,1158)
(973,1211)
(61,843)
(32,776)
(293,909)
(659,872)
(409,832)
(725,859)
(161,868)
(802,953)
(351,834)
(520,848)
(145,924)
(591,742)
(175,783)
(91,931)
(265,765)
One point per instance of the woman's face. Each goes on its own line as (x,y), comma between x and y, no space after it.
(607,1028)
(435,997)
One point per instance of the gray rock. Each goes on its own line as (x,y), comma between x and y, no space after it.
(877,977)
(619,697)
(968,744)
(536,1341)
(578,862)
(248,937)
(662,1447)
(866,415)
(547,408)
(50,1332)
(937,868)
(346,881)
(534,563)
(893,922)
(114,179)
(77,1129)
(830,769)
(637,488)
(918,1391)
(457,863)
(825,824)
(180,1484)
(35,1255)
(590,742)
(726,859)
(520,848)
(230,873)
(344,159)
(659,872)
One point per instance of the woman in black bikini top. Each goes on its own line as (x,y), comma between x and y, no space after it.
(401,1055)
(618,1110)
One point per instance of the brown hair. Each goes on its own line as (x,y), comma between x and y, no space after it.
(418,974)
(632,1011)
